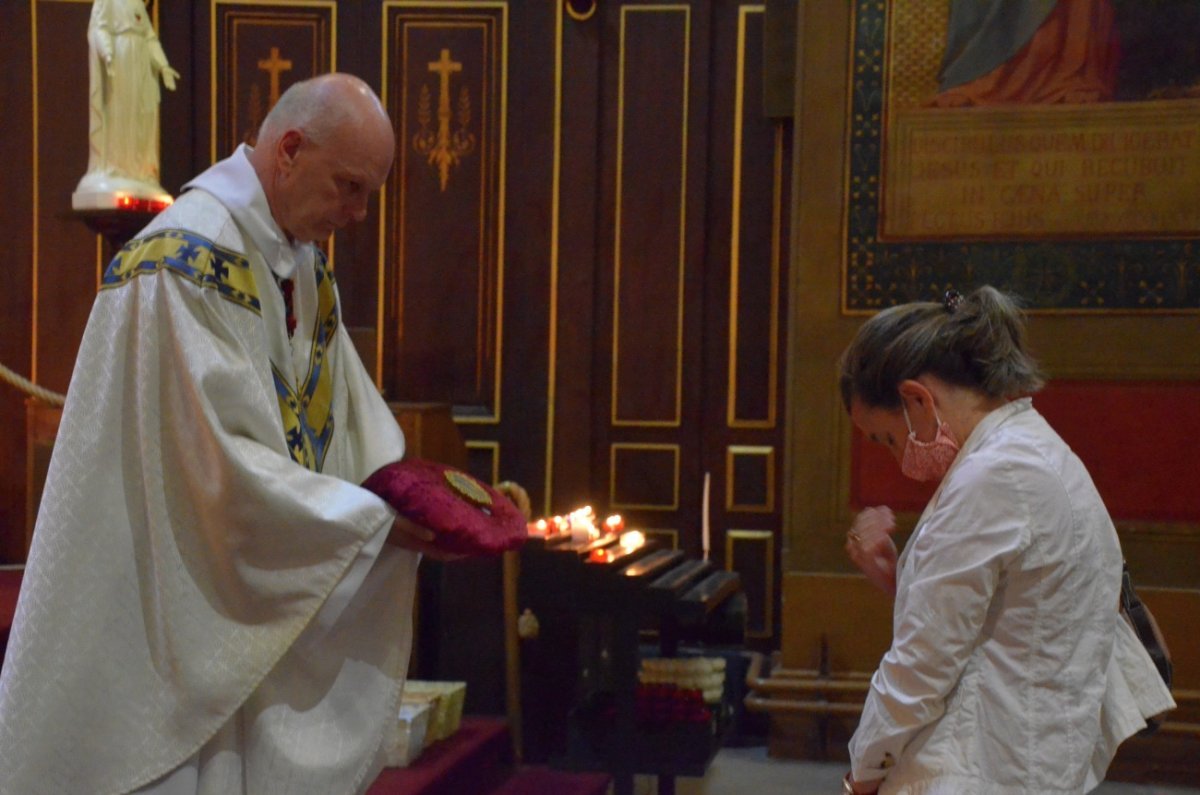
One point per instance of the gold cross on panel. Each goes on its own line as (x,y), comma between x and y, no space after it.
(274,66)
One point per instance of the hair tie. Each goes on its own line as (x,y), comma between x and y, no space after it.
(951,300)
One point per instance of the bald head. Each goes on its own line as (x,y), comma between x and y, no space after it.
(326,145)
(322,105)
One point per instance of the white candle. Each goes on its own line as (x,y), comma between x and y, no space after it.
(704,515)
(583,525)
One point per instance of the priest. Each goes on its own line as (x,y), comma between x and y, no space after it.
(212,603)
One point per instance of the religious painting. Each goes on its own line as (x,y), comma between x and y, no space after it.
(1049,147)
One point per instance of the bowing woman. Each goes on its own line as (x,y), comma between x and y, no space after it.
(1010,668)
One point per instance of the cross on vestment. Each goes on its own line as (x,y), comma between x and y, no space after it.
(274,66)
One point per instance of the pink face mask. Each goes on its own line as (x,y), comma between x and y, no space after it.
(928,460)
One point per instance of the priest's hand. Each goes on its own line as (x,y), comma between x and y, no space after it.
(869,544)
(407,534)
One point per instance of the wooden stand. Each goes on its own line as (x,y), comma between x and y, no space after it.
(117,227)
(580,675)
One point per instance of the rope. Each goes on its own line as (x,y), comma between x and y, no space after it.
(30,388)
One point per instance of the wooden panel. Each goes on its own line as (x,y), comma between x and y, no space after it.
(260,49)
(751,553)
(842,612)
(455,263)
(445,71)
(779,61)
(750,479)
(745,291)
(668,537)
(754,240)
(1177,611)
(483,460)
(572,457)
(652,195)
(430,433)
(651,190)
(644,476)
(747,266)
(66,255)
(532,171)
(16,183)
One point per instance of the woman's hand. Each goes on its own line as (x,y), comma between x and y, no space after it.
(864,788)
(869,544)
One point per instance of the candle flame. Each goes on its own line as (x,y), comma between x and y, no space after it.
(614,524)
(123,201)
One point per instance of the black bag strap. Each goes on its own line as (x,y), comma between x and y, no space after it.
(1147,631)
(1145,627)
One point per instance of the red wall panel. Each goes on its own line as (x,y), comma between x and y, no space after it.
(1140,441)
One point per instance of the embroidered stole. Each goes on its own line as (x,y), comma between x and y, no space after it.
(306,409)
(195,258)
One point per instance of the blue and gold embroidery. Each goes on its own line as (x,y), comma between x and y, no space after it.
(308,412)
(195,258)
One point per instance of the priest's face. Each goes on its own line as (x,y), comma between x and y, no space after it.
(324,185)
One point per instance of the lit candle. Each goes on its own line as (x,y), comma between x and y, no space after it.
(632,540)
(614,524)
(583,524)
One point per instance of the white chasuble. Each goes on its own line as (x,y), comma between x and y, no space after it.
(200,510)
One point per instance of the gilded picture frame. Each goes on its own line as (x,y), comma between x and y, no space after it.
(1078,199)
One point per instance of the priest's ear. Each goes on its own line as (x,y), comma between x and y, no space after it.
(287,148)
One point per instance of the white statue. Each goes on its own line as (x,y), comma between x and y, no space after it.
(124,68)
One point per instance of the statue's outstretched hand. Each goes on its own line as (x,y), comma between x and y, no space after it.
(169,76)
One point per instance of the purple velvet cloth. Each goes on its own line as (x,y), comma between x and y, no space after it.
(467,516)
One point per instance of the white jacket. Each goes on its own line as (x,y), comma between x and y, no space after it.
(1010,669)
